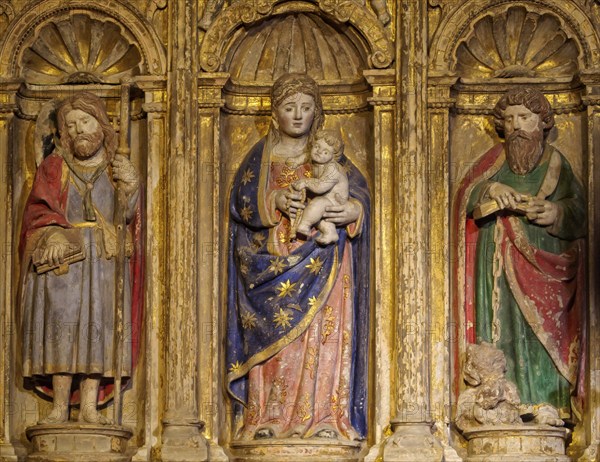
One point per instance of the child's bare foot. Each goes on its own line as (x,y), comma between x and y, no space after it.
(327,238)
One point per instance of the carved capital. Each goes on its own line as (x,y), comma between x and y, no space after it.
(591,79)
(8,96)
(210,89)
(438,96)
(155,95)
(383,83)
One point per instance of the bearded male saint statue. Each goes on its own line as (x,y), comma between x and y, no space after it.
(68,252)
(526,215)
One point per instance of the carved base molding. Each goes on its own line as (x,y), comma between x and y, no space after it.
(78,443)
(412,442)
(183,443)
(296,450)
(529,443)
(8,453)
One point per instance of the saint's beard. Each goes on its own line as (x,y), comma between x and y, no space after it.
(524,150)
(86,145)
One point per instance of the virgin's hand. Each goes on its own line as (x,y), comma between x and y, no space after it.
(289,202)
(505,196)
(343,214)
(542,212)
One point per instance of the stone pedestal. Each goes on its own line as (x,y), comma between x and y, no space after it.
(78,443)
(523,443)
(297,450)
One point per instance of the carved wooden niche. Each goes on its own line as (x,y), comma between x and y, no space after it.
(296,43)
(60,53)
(517,43)
(80,49)
(506,47)
(309,42)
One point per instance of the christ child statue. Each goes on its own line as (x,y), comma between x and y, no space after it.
(329,183)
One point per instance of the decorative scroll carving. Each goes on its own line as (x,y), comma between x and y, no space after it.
(7,13)
(157,14)
(517,43)
(80,49)
(219,36)
(154,6)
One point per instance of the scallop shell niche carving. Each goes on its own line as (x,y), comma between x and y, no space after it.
(80,49)
(517,43)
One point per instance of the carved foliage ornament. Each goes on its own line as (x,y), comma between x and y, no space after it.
(245,12)
(80,49)
(517,43)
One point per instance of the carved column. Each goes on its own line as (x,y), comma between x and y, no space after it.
(591,79)
(210,208)
(383,83)
(155,107)
(181,438)
(412,425)
(440,103)
(7,247)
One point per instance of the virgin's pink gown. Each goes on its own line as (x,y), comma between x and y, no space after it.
(304,388)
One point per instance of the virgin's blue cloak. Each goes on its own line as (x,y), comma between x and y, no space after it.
(253,285)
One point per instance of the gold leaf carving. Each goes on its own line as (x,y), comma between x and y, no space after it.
(296,43)
(80,49)
(224,37)
(517,43)
(7,14)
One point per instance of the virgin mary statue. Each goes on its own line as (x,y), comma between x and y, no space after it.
(297,311)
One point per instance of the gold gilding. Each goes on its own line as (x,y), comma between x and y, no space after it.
(256,41)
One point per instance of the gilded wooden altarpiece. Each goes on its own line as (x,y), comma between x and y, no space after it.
(411,95)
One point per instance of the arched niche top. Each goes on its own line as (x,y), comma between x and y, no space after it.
(296,43)
(223,32)
(464,45)
(517,43)
(80,49)
(57,42)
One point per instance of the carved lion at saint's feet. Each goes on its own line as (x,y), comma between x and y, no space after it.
(490,399)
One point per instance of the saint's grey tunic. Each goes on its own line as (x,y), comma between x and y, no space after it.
(68,320)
